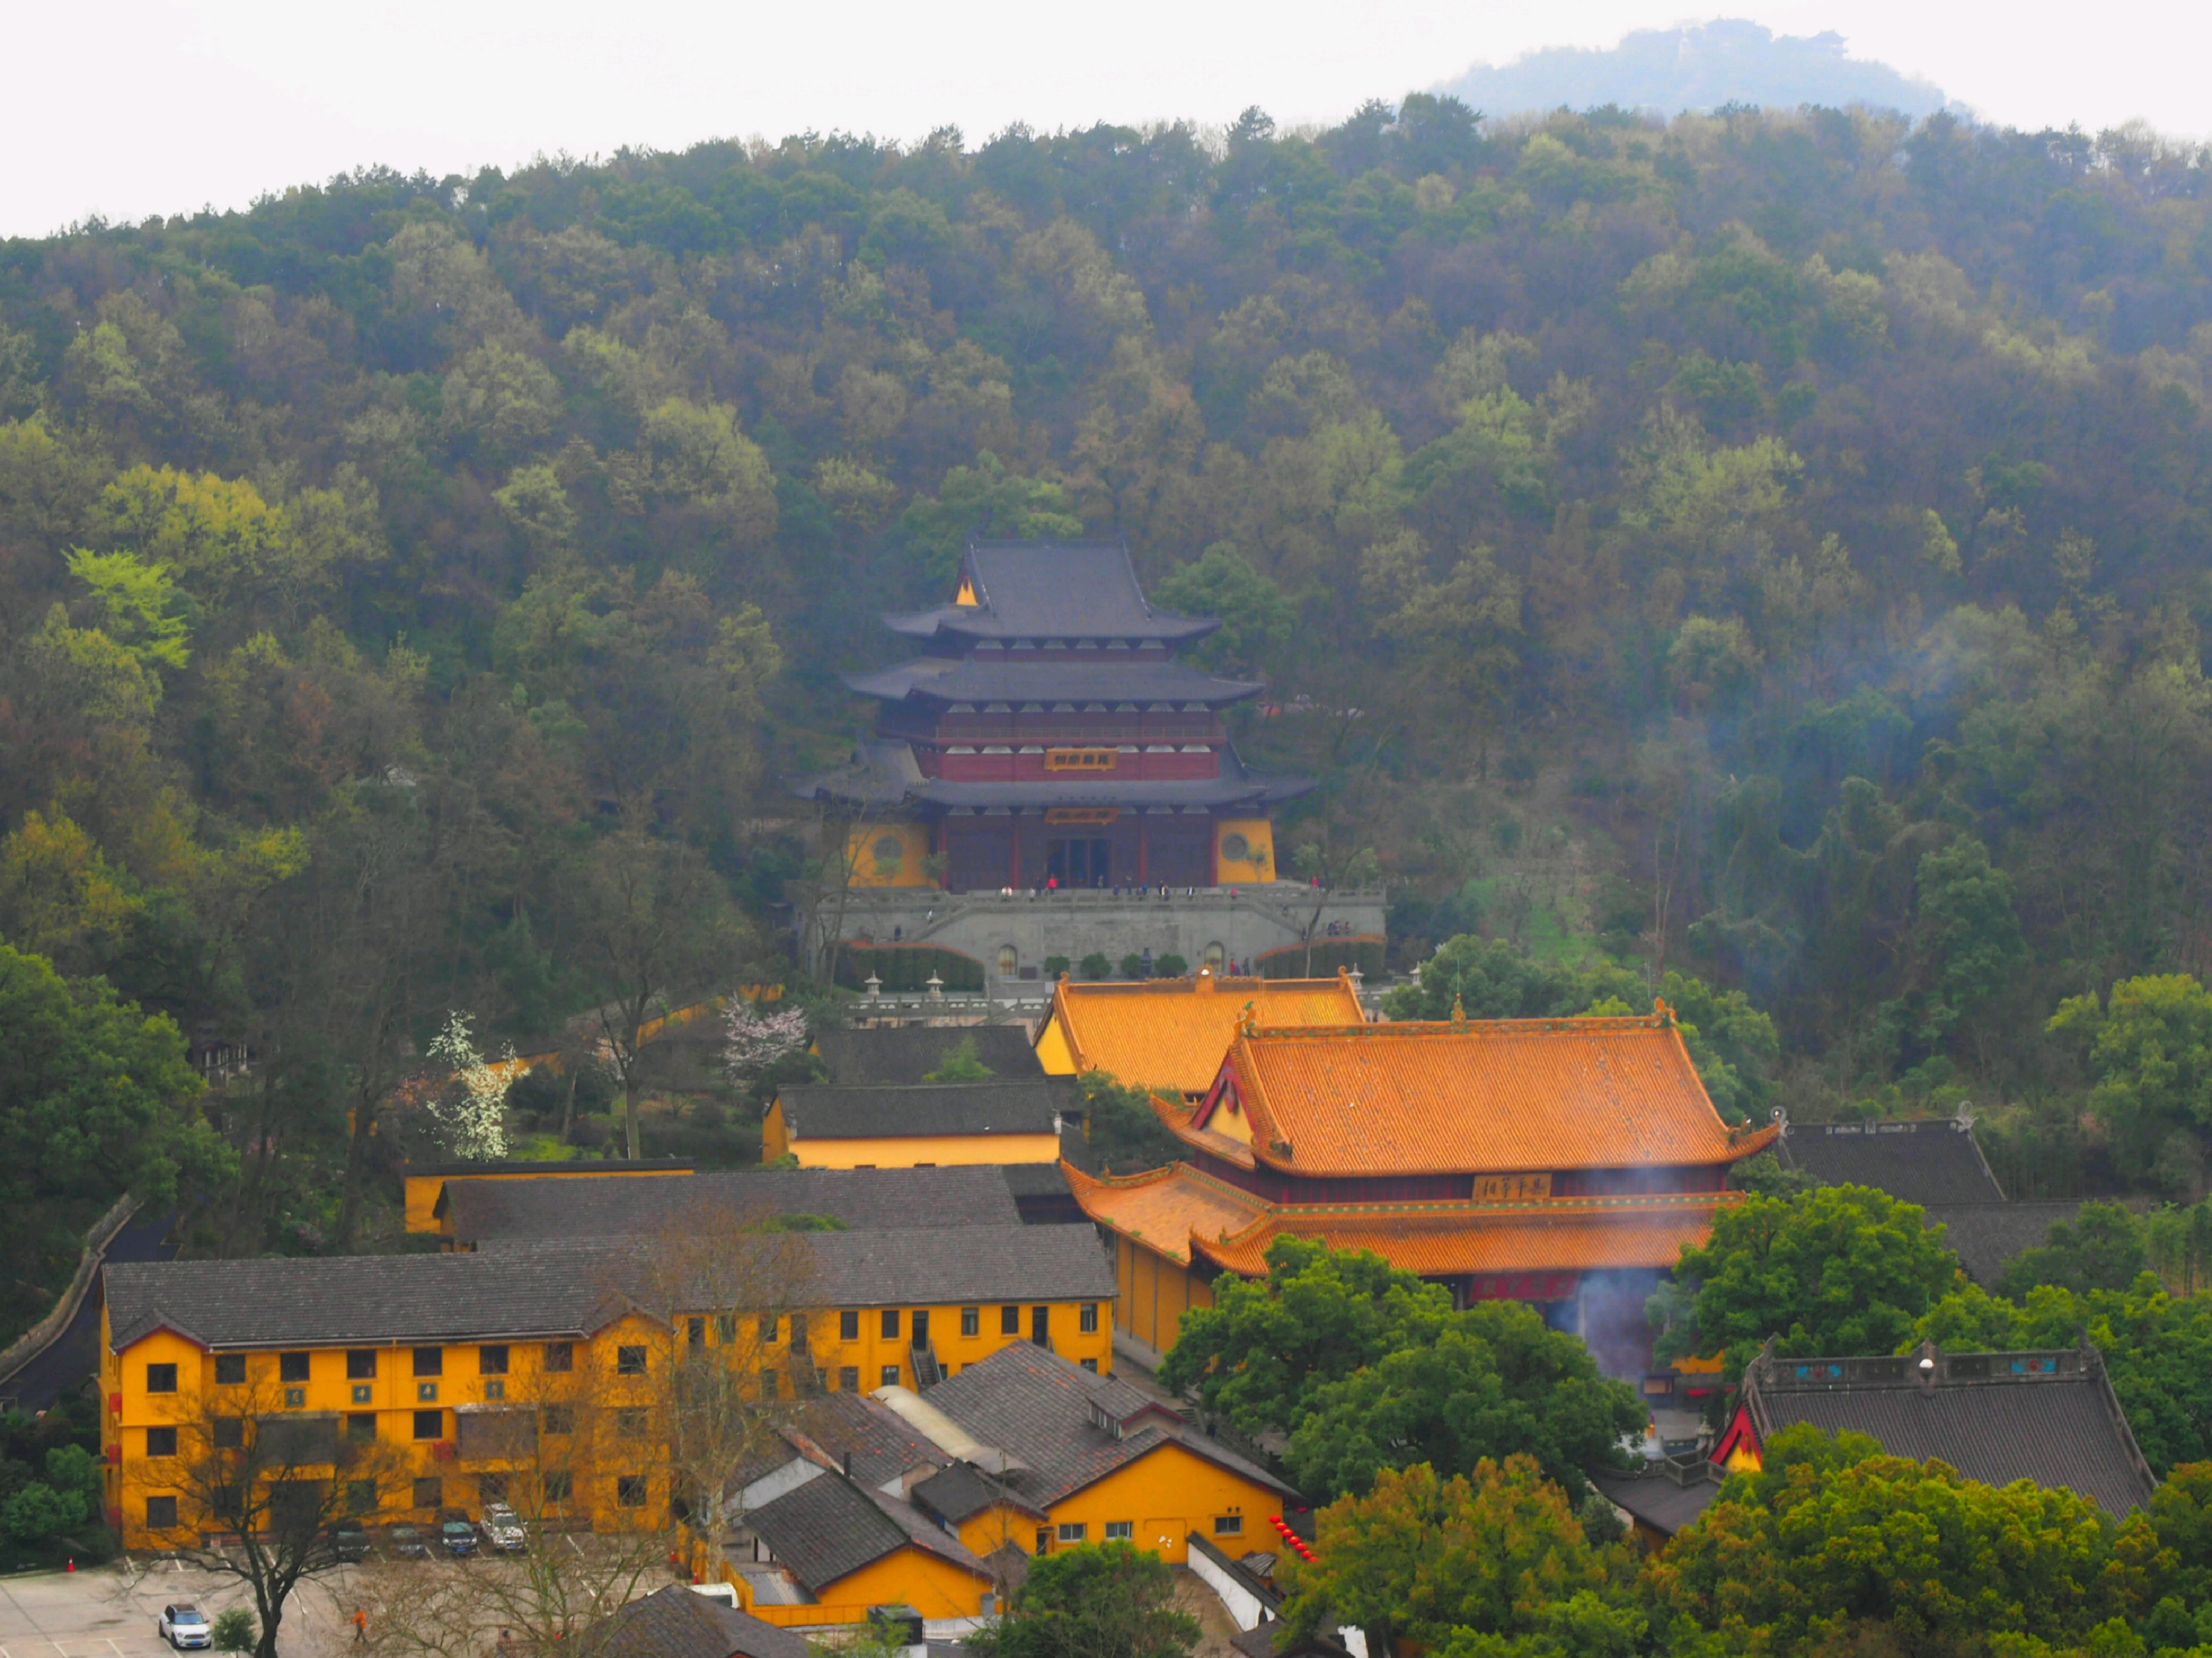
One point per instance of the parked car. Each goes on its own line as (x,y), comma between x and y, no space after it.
(501,1529)
(183,1626)
(407,1543)
(458,1537)
(350,1541)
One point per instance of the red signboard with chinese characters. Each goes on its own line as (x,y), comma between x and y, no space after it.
(1523,1286)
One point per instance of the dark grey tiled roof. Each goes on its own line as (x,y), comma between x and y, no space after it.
(1036,1407)
(957,1493)
(1661,1501)
(1052,590)
(502,1212)
(919,1267)
(674,1623)
(955,679)
(879,1442)
(1988,1235)
(527,1167)
(882,773)
(1234,786)
(2064,1428)
(831,1527)
(1025,1106)
(1036,1180)
(907,1054)
(547,1289)
(1919,1161)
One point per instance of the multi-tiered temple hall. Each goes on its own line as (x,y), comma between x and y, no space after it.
(1049,732)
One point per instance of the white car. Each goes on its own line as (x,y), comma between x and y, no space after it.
(183,1626)
(501,1529)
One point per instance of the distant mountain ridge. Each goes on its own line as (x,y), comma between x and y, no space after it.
(1696,67)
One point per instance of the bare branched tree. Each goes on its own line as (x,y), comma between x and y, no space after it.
(267,1485)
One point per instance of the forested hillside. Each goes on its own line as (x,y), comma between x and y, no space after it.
(1771,547)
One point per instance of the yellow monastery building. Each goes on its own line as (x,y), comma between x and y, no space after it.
(920,1126)
(523,1373)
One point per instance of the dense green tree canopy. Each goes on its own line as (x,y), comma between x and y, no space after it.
(1840,1269)
(1833,1542)
(1760,547)
(1493,1383)
(1094,1601)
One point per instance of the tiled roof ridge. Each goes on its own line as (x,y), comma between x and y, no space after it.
(1569,1023)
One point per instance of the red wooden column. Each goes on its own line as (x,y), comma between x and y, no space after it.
(1144,877)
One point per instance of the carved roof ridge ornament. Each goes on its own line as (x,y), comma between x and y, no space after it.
(1458,1014)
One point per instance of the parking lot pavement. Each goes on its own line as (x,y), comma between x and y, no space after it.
(109,1612)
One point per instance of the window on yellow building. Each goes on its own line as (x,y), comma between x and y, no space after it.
(1072,1531)
(360,1427)
(695,1332)
(360,1364)
(891,1375)
(292,1367)
(1087,1322)
(361,1497)
(557,1485)
(630,1361)
(630,1489)
(1010,1321)
(848,1379)
(560,1356)
(765,1331)
(491,1488)
(798,1333)
(771,1382)
(429,1424)
(229,1370)
(160,1442)
(1121,1531)
(725,1329)
(491,1360)
(1044,1539)
(160,1378)
(848,1327)
(429,1361)
(161,1513)
(557,1420)
(1229,1525)
(971,1320)
(429,1492)
(228,1433)
(1090,1364)
(631,1424)
(890,1323)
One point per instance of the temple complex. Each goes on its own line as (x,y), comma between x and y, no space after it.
(1048,739)
(1560,1162)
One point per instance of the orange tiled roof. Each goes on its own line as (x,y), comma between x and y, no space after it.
(1164,1207)
(1184,1215)
(1486,1096)
(1172,1033)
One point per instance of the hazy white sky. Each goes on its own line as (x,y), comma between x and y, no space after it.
(140,106)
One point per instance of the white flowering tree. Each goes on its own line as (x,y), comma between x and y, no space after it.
(472,1113)
(754,1042)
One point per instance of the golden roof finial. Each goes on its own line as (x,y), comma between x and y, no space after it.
(1459,1012)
